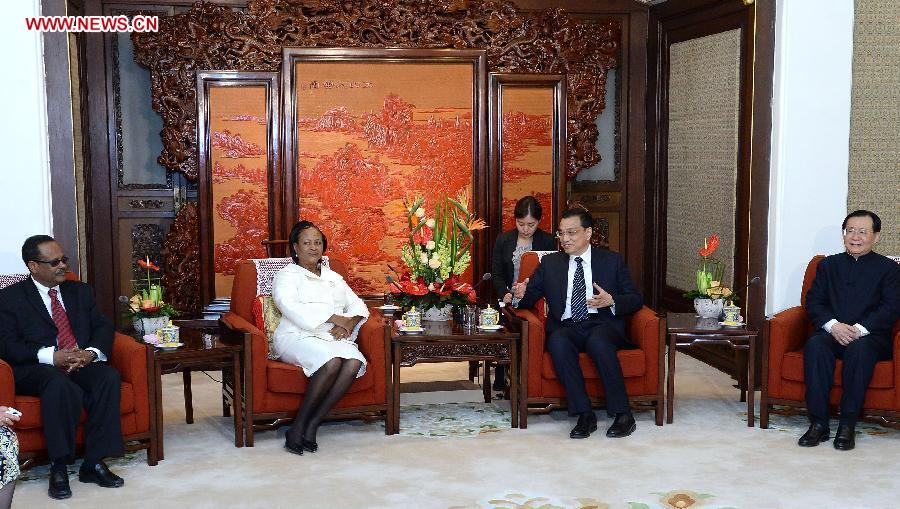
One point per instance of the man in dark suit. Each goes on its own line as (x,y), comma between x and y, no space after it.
(853,304)
(588,292)
(58,342)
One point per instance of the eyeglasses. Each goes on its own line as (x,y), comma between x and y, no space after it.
(54,262)
(560,234)
(852,231)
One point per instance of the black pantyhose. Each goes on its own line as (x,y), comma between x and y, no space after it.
(326,387)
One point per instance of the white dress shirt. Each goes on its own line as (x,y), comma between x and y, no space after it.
(588,282)
(45,355)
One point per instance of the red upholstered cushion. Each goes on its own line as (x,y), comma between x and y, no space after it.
(633,365)
(287,378)
(792,369)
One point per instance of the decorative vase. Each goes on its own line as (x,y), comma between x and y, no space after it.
(149,325)
(709,308)
(435,314)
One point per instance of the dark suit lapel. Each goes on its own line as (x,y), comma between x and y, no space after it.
(34,299)
(562,283)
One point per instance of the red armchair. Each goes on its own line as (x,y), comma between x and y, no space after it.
(786,334)
(133,361)
(273,389)
(643,367)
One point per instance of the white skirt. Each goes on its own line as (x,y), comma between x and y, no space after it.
(312,352)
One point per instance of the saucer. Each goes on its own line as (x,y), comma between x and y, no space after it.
(388,308)
(489,327)
(410,330)
(732,325)
(168,346)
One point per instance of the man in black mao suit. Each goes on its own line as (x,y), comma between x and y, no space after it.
(853,304)
(588,292)
(58,342)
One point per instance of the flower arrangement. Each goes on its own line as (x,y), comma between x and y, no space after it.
(436,253)
(147,302)
(709,274)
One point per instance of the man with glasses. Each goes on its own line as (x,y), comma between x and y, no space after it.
(588,293)
(853,304)
(57,342)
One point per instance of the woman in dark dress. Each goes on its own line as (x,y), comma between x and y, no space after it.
(507,256)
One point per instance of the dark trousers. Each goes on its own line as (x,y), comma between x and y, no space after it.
(859,357)
(96,388)
(600,341)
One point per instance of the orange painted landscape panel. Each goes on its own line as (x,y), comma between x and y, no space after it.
(526,138)
(369,134)
(240,195)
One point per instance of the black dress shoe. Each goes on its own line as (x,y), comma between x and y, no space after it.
(59,485)
(845,438)
(587,424)
(293,447)
(310,445)
(816,434)
(99,474)
(622,426)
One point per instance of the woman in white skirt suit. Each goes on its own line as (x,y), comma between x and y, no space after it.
(321,317)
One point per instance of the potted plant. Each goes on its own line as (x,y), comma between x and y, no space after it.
(146,308)
(436,255)
(709,295)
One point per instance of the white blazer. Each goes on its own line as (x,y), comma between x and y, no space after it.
(306,301)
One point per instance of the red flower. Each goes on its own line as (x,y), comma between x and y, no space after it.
(405,285)
(423,235)
(148,265)
(710,246)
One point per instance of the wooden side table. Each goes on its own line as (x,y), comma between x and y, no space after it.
(206,347)
(687,329)
(448,342)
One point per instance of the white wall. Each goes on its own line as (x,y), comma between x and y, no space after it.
(25,172)
(810,140)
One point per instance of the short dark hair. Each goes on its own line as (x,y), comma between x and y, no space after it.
(876,221)
(31,247)
(528,206)
(295,235)
(584,216)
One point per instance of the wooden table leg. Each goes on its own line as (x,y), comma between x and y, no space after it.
(486,381)
(188,397)
(157,368)
(514,381)
(394,417)
(742,373)
(236,402)
(751,381)
(670,380)
(523,375)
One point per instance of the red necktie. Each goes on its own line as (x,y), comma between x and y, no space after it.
(66,338)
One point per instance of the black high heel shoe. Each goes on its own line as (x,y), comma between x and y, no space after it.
(310,445)
(293,447)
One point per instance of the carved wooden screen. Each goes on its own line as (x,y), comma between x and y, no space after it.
(366,128)
(528,143)
(237,122)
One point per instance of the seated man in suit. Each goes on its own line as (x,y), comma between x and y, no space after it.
(853,304)
(588,291)
(58,342)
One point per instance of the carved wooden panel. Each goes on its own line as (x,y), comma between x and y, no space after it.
(413,353)
(211,36)
(181,256)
